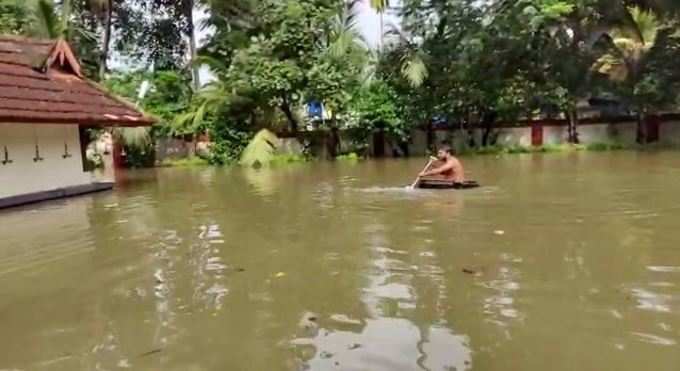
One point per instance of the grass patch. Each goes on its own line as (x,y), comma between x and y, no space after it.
(286,159)
(351,157)
(185,162)
(546,148)
(600,147)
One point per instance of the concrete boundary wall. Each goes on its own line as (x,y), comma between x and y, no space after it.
(620,132)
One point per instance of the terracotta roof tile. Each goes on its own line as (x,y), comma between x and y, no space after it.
(32,92)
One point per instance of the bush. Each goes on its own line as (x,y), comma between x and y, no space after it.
(519,149)
(352,156)
(139,156)
(284,159)
(186,162)
(228,144)
(604,146)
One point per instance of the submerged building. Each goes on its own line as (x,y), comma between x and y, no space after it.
(46,105)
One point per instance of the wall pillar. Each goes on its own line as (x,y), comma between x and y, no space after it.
(537,134)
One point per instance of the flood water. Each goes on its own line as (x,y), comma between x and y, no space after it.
(560,262)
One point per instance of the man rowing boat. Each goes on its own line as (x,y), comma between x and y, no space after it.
(446,167)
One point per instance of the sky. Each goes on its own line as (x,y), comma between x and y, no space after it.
(369,22)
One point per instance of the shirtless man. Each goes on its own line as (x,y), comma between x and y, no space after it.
(446,167)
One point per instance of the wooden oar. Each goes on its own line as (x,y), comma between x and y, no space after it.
(415,183)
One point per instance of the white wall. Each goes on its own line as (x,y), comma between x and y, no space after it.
(24,175)
(621,133)
(669,133)
(514,137)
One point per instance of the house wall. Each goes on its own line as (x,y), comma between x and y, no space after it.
(622,133)
(520,136)
(24,175)
(669,133)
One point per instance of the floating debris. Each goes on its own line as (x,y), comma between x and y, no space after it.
(159,276)
(499,232)
(308,322)
(280,274)
(151,352)
(124,363)
(354,346)
(302,342)
(343,319)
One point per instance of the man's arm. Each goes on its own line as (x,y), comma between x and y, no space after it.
(436,171)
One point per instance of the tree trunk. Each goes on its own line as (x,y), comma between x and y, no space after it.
(333,143)
(488,120)
(429,135)
(641,136)
(285,108)
(193,48)
(106,43)
(382,31)
(572,128)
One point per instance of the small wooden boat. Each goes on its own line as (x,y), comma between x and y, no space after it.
(446,184)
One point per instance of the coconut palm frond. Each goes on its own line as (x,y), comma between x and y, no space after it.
(380,6)
(261,149)
(190,121)
(345,34)
(370,69)
(413,69)
(212,62)
(612,66)
(46,22)
(134,137)
(627,49)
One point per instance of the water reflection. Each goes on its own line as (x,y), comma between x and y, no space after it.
(404,329)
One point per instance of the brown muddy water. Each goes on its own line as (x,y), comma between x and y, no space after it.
(560,262)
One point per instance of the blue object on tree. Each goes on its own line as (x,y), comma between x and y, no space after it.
(315,109)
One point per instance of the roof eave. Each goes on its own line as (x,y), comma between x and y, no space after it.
(143,122)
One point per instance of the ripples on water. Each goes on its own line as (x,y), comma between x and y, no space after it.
(331,266)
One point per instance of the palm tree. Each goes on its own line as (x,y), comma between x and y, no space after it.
(104,10)
(629,54)
(380,6)
(344,36)
(187,9)
(411,58)
(660,7)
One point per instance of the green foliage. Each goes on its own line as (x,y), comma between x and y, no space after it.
(350,157)
(193,161)
(14,17)
(597,147)
(261,149)
(287,159)
(228,143)
(264,150)
(376,107)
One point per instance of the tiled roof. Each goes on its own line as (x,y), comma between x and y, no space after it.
(41,82)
